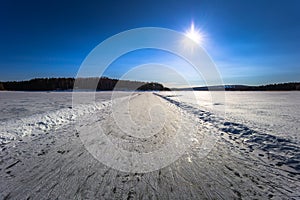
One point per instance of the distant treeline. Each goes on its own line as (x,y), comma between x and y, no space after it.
(105,83)
(61,84)
(269,87)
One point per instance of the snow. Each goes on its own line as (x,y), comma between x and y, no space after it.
(266,123)
(31,113)
(246,147)
(277,112)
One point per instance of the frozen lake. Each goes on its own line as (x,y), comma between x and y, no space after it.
(276,112)
(256,153)
(17,105)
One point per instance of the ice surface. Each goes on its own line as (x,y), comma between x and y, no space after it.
(256,156)
(277,112)
(27,113)
(266,123)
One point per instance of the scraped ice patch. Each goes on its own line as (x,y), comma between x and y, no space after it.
(42,123)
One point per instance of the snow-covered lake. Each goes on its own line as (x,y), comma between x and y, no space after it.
(256,154)
(275,112)
(31,113)
(18,105)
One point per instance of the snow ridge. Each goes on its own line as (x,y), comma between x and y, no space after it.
(282,152)
(42,123)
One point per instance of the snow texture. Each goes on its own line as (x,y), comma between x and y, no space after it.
(256,154)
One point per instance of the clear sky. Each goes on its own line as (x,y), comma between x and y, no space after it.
(251,42)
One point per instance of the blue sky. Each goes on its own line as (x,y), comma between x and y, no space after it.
(251,42)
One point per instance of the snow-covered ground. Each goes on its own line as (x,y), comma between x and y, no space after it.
(264,122)
(277,112)
(30,113)
(256,154)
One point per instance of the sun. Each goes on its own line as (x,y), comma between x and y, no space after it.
(194,34)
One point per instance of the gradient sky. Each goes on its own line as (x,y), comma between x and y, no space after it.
(251,42)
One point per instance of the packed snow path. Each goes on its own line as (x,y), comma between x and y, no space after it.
(58,166)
